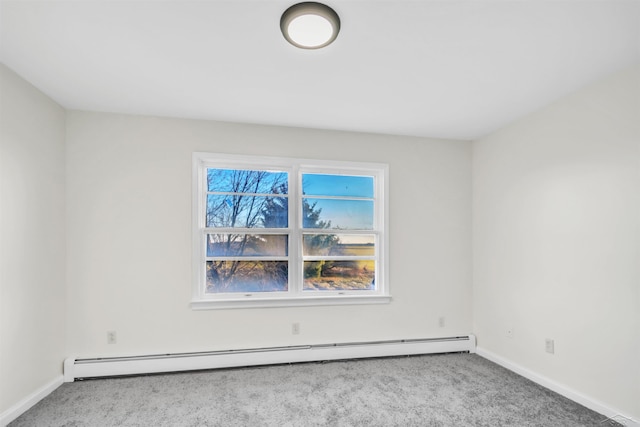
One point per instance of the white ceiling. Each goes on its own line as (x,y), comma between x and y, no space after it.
(450,69)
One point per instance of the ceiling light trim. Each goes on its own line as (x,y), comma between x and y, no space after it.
(312,9)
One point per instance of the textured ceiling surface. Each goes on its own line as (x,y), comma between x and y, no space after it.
(447,69)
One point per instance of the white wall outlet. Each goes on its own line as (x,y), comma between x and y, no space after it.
(441,321)
(510,334)
(295,328)
(112,338)
(549,346)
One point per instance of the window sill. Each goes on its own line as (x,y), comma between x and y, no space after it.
(210,304)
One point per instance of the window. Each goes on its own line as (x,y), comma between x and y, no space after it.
(280,231)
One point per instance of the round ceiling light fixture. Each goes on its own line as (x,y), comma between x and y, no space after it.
(310,25)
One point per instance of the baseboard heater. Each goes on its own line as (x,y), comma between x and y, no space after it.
(139,365)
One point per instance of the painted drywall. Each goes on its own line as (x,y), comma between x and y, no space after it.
(32,243)
(129,237)
(556,241)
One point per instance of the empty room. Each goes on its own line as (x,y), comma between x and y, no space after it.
(351,213)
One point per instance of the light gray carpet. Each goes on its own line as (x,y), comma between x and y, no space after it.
(435,390)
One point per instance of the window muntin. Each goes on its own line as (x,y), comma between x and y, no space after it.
(241,198)
(245,199)
(339,205)
(287,230)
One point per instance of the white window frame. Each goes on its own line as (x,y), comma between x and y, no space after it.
(295,296)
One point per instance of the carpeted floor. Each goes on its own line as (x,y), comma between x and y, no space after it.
(435,390)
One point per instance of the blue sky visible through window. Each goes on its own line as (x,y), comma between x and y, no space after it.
(337,185)
(345,214)
(246,181)
(350,210)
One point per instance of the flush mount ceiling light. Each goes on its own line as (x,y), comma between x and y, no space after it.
(310,25)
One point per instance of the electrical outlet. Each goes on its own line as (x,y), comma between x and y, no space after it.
(441,321)
(510,334)
(295,328)
(549,346)
(111,337)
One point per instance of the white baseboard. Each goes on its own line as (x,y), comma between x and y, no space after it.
(23,406)
(593,404)
(136,365)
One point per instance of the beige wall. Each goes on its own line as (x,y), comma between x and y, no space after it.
(32,240)
(129,237)
(556,231)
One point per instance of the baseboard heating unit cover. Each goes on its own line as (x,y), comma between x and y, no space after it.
(136,365)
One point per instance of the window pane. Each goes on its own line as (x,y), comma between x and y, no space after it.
(337,185)
(337,214)
(339,275)
(243,211)
(246,245)
(341,244)
(247,276)
(247,181)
